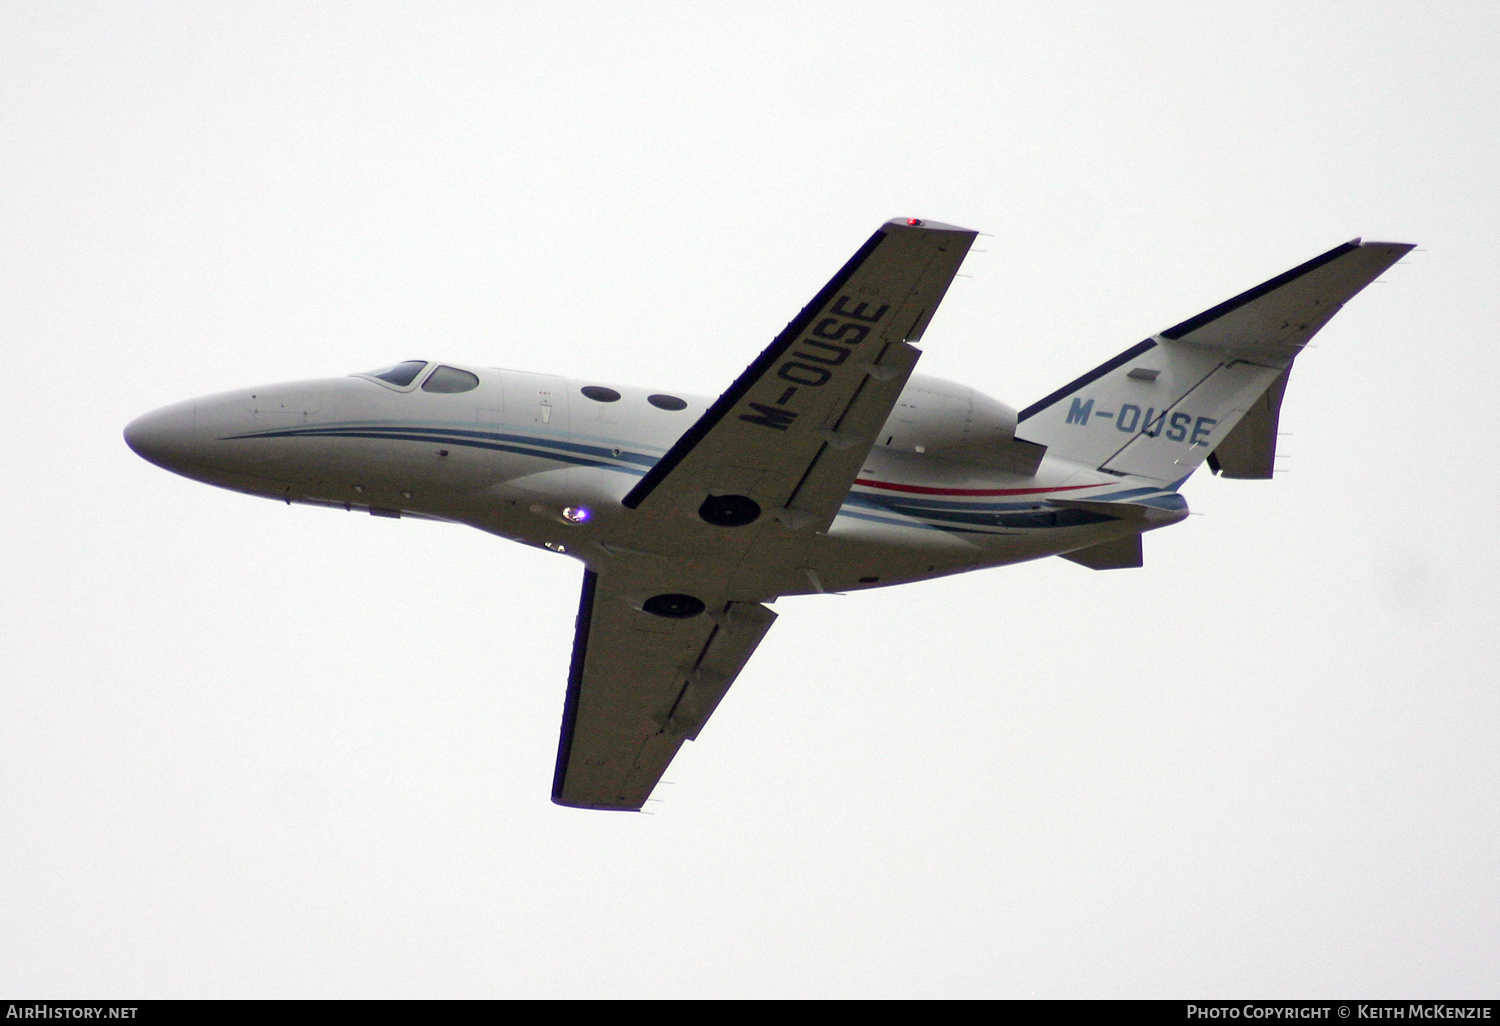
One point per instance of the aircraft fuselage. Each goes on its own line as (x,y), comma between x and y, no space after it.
(545,460)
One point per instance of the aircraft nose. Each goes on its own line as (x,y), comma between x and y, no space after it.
(165,436)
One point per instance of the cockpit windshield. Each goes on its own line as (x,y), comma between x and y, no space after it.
(402,374)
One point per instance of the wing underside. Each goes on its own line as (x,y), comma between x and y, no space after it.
(640,685)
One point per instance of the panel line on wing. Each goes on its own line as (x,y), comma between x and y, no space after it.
(859,390)
(791,500)
(687,681)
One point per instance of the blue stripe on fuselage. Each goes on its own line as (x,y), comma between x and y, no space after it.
(962,516)
(523,445)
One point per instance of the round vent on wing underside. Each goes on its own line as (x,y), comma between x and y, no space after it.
(729,510)
(673,607)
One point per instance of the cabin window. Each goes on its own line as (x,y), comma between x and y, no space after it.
(600,394)
(402,374)
(666,402)
(450,379)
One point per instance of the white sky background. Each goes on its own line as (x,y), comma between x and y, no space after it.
(253,750)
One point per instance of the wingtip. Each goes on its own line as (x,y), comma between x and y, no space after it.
(926,225)
(567,803)
(1404,247)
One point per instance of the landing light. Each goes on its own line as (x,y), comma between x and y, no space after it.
(576,514)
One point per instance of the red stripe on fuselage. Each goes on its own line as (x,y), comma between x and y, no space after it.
(924,490)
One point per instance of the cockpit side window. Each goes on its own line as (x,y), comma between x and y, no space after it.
(402,374)
(450,379)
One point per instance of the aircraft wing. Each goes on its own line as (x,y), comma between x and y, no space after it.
(668,620)
(642,683)
(792,432)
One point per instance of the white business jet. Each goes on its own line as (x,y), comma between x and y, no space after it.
(826,467)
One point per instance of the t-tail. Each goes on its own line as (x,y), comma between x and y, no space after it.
(1209,388)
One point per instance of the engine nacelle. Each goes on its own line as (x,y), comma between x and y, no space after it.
(945,418)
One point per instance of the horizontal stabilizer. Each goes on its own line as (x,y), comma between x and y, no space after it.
(1120,554)
(1277,317)
(1161,407)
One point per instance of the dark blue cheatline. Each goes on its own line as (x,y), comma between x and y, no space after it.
(964,517)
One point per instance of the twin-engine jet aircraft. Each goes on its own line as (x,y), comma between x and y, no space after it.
(826,467)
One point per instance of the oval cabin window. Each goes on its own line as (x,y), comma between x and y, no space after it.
(666,402)
(600,394)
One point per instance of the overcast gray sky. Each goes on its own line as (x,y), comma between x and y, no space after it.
(253,750)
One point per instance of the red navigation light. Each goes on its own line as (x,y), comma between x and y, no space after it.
(915,222)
